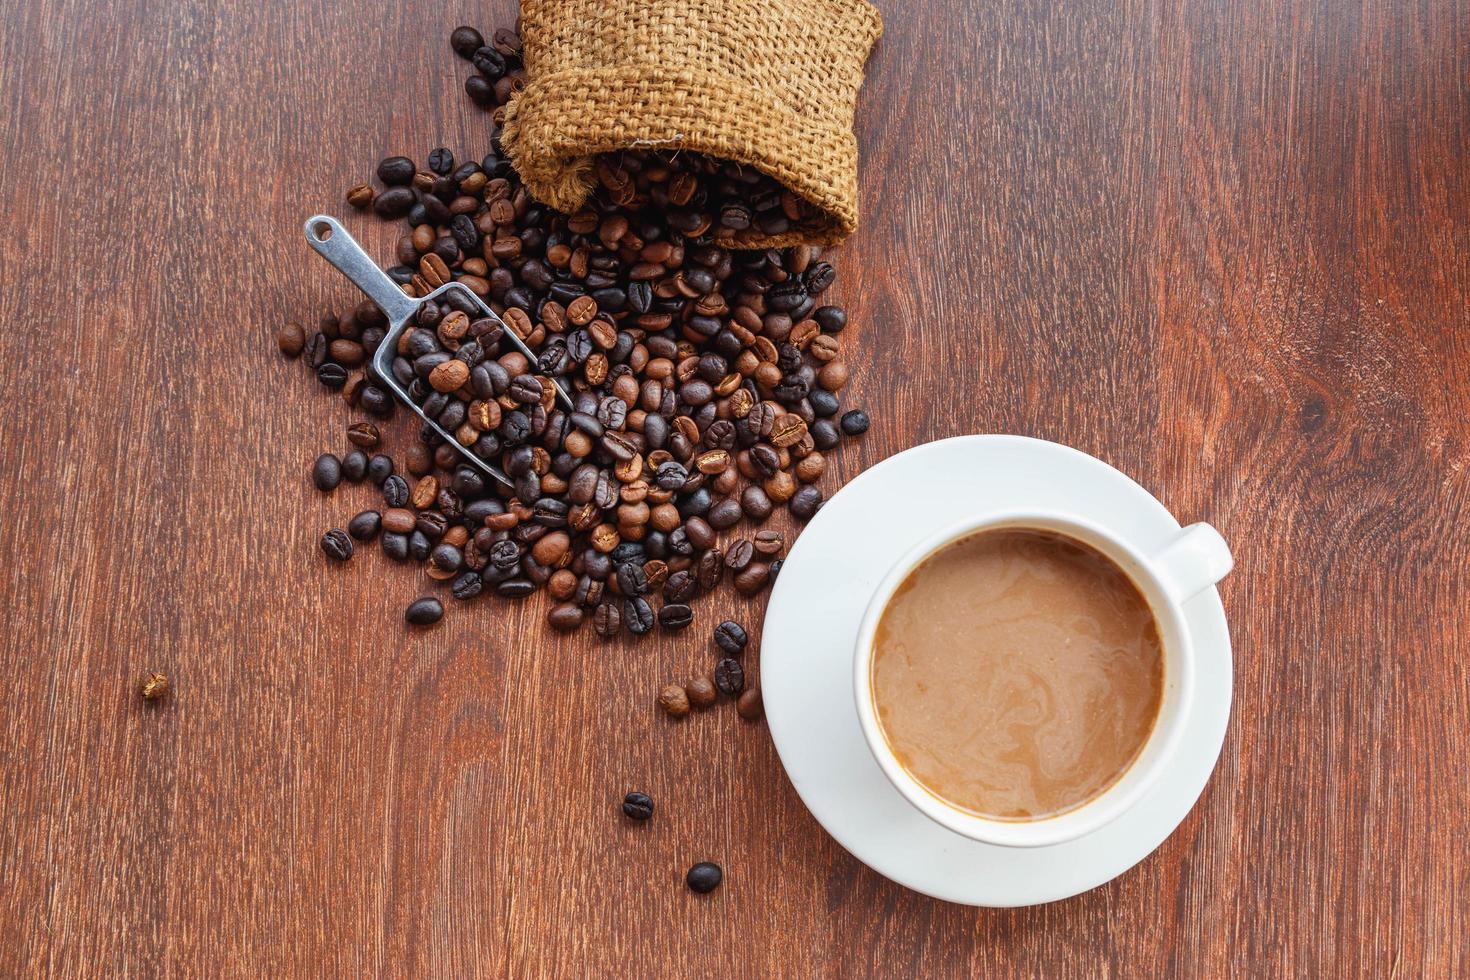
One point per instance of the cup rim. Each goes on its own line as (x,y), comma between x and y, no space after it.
(1124,792)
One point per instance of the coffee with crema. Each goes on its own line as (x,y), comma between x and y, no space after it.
(1017,673)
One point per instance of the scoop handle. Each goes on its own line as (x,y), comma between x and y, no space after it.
(334,243)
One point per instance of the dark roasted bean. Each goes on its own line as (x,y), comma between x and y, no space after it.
(675,616)
(379,468)
(424,612)
(395,491)
(326,472)
(855,422)
(607,620)
(364,527)
(729,677)
(467,586)
(354,466)
(730,637)
(638,615)
(805,504)
(704,877)
(638,806)
(739,555)
(336,544)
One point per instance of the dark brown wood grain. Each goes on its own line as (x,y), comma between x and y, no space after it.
(1221,245)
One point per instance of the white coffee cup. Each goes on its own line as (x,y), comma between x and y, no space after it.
(1193,561)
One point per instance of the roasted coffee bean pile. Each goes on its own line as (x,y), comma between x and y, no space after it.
(704,383)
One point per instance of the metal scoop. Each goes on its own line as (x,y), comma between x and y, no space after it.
(333,243)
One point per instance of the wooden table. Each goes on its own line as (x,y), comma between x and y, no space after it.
(1220,245)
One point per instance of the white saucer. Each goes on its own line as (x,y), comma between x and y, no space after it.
(806,667)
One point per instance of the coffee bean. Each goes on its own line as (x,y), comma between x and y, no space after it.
(326,472)
(638,615)
(805,504)
(465,41)
(396,170)
(674,700)
(681,587)
(565,617)
(748,705)
(364,527)
(363,435)
(769,542)
(395,546)
(704,877)
(360,196)
(638,806)
(731,637)
(354,466)
(394,202)
(675,616)
(752,579)
(441,160)
(855,422)
(830,318)
(632,580)
(729,677)
(701,692)
(424,611)
(446,558)
(467,586)
(776,567)
(291,339)
(337,545)
(395,491)
(379,468)
(607,620)
(739,555)
(332,376)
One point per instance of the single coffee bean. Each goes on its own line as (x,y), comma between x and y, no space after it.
(607,620)
(326,472)
(731,637)
(394,202)
(776,567)
(419,546)
(364,435)
(354,466)
(638,615)
(379,468)
(465,41)
(704,877)
(395,546)
(739,555)
(674,700)
(729,677)
(424,612)
(805,504)
(748,705)
(701,692)
(395,491)
(565,617)
(396,170)
(446,558)
(467,586)
(291,339)
(332,376)
(638,806)
(364,527)
(752,579)
(855,422)
(675,616)
(337,545)
(681,587)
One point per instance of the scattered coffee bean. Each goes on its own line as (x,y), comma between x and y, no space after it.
(730,637)
(395,491)
(855,422)
(154,686)
(638,615)
(336,545)
(729,677)
(704,877)
(638,806)
(332,375)
(748,705)
(466,41)
(565,617)
(326,472)
(424,612)
(365,526)
(354,466)
(379,468)
(675,616)
(467,586)
(291,339)
(701,692)
(364,435)
(396,170)
(674,700)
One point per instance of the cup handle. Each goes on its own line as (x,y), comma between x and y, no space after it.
(1192,562)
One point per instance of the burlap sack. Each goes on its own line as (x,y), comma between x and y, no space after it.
(769,83)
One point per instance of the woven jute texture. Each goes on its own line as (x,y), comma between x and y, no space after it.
(768,83)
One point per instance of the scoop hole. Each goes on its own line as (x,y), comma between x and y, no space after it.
(322,231)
